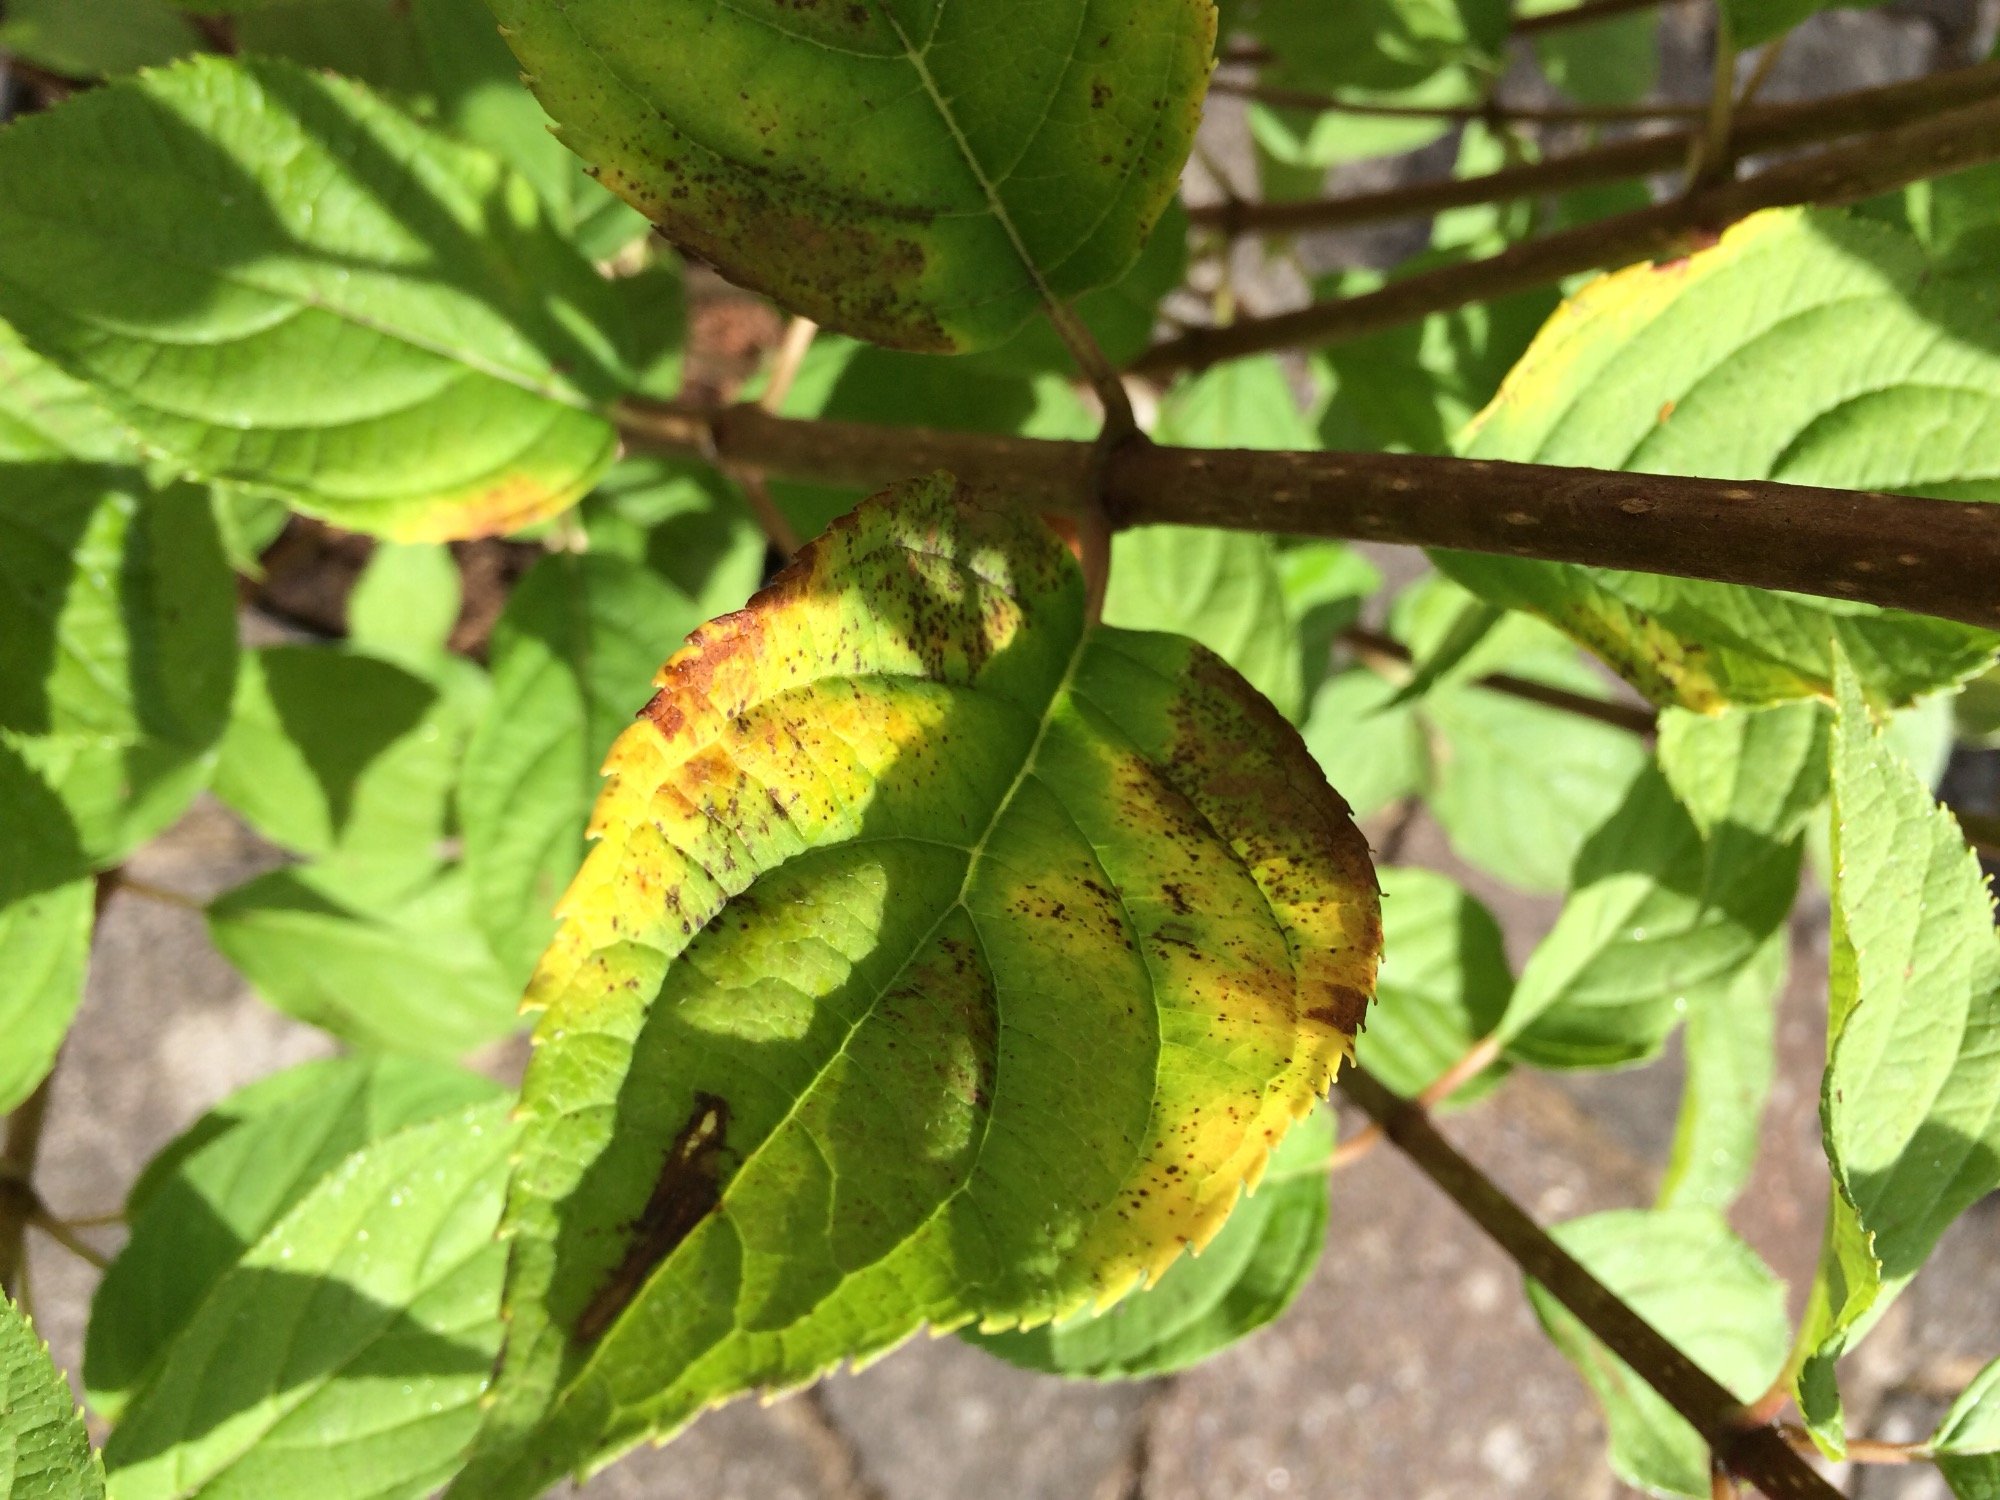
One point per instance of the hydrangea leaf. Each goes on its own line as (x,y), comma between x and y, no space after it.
(373,321)
(402,972)
(406,603)
(1248,1274)
(243,1168)
(1972,1426)
(343,1355)
(1444,985)
(919,174)
(346,758)
(1729,1048)
(574,650)
(45,1453)
(117,644)
(1683,1271)
(1807,346)
(1910,1105)
(1676,892)
(92,38)
(46,911)
(941,960)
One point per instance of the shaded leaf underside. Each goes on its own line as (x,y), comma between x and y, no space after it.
(940,960)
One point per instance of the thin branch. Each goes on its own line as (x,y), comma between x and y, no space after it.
(1760,73)
(843,1474)
(1936,557)
(1758,1454)
(1840,174)
(785,364)
(1579,15)
(1495,112)
(145,890)
(1380,650)
(1097,369)
(19,1147)
(1764,128)
(769,515)
(1859,1450)
(1477,1058)
(1713,158)
(63,1234)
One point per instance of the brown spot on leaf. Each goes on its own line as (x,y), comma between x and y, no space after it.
(688,1188)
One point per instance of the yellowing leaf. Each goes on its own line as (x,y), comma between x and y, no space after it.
(1810,347)
(941,960)
(919,174)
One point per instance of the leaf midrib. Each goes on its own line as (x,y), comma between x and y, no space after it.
(974,852)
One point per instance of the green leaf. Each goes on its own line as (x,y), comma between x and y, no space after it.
(1225,589)
(45,1453)
(46,417)
(1808,346)
(1381,44)
(1972,1478)
(242,1168)
(1752,23)
(1676,893)
(1516,786)
(942,960)
(1469,630)
(1220,587)
(117,644)
(371,41)
(1611,61)
(1248,1275)
(921,175)
(1375,754)
(685,522)
(1325,586)
(574,652)
(1246,403)
(343,1356)
(1296,147)
(1729,1049)
(405,604)
(1705,1290)
(1910,1106)
(46,904)
(1121,316)
(374,322)
(1972,1426)
(410,973)
(1412,389)
(1444,985)
(346,758)
(1521,787)
(480,97)
(93,38)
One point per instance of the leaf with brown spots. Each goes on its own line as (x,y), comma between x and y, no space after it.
(922,174)
(1807,346)
(941,960)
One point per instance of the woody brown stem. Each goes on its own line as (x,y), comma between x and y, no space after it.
(1760,1455)
(1763,128)
(1840,174)
(1936,557)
